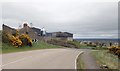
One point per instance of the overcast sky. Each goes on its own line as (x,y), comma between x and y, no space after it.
(95,19)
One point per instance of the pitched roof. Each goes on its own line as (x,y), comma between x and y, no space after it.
(8,29)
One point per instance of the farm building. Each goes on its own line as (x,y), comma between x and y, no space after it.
(63,35)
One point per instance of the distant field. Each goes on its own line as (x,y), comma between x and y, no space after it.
(105,58)
(39,45)
(99,40)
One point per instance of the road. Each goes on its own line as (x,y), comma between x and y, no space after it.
(62,58)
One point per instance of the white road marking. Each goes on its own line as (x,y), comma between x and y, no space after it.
(16,61)
(76,59)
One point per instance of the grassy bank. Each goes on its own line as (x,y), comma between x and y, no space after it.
(65,43)
(6,48)
(105,58)
(77,44)
(0,47)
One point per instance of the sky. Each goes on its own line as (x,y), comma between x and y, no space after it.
(83,18)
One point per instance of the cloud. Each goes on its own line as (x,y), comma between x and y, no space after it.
(80,18)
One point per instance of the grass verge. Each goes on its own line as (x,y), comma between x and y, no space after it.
(0,47)
(6,48)
(105,58)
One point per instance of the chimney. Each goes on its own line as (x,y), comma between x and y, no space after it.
(25,25)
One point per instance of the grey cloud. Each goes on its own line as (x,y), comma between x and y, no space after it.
(73,16)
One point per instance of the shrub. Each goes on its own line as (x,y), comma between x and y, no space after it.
(118,53)
(16,39)
(25,39)
(115,50)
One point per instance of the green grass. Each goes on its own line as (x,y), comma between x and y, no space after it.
(77,44)
(105,58)
(84,46)
(6,48)
(0,47)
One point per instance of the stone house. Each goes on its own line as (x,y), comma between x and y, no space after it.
(8,29)
(33,32)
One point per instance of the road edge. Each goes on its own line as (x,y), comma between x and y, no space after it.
(77,58)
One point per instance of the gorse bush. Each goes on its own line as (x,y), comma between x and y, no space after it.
(26,40)
(16,39)
(115,50)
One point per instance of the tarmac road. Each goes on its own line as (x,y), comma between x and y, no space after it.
(62,58)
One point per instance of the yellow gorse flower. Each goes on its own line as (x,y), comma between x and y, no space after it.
(17,40)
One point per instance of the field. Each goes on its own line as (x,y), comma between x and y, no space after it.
(6,48)
(105,58)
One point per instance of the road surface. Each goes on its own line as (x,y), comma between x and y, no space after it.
(63,58)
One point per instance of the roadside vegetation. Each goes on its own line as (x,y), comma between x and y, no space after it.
(115,50)
(7,48)
(103,57)
(106,56)
(15,42)
(16,39)
(65,43)
(0,41)
(0,47)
